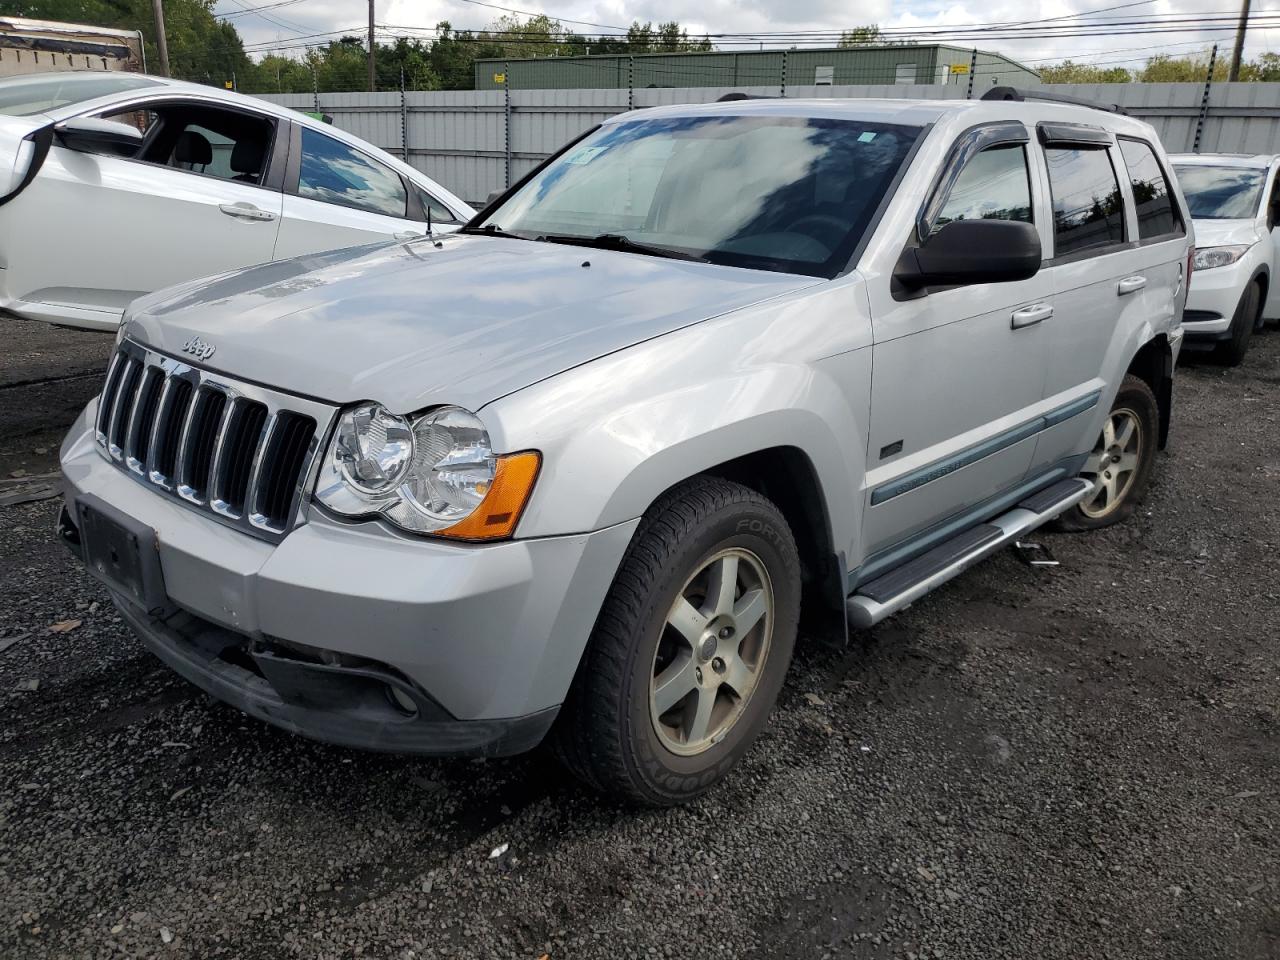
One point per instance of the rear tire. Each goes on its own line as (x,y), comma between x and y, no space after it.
(1243,322)
(1121,461)
(690,649)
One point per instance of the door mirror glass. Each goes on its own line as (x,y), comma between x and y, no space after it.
(972,251)
(93,135)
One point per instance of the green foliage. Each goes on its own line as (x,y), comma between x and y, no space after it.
(1071,72)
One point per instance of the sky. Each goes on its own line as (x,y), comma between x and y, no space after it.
(294,22)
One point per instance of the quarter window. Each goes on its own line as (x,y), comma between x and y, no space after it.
(335,173)
(994,185)
(1087,209)
(1151,198)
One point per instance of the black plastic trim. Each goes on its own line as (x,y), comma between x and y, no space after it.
(1081,135)
(335,704)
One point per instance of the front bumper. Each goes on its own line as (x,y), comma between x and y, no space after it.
(312,633)
(1212,301)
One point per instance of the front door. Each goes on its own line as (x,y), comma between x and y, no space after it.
(958,371)
(106,229)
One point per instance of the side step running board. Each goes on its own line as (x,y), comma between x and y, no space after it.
(889,593)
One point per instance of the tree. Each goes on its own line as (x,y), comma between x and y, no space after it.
(862,37)
(1163,68)
(1071,72)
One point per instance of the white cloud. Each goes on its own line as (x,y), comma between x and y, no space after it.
(1117,45)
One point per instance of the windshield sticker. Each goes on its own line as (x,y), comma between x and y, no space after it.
(585,155)
(866,137)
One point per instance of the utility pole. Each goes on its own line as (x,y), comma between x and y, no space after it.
(161,41)
(373,76)
(1238,52)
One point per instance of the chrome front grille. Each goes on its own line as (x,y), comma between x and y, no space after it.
(239,452)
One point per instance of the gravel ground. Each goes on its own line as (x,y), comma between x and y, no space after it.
(1070,762)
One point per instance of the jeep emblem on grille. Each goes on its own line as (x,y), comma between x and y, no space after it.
(198,348)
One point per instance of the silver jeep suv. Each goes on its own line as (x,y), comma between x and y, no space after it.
(576,471)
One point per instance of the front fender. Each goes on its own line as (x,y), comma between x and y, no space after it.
(616,433)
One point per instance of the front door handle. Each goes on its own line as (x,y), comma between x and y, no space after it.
(1131,285)
(245,211)
(1029,316)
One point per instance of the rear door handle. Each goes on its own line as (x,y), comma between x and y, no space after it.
(1029,316)
(1131,285)
(245,211)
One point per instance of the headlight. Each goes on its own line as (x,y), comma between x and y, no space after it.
(434,473)
(1209,257)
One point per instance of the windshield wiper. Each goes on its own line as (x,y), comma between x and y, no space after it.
(493,230)
(617,241)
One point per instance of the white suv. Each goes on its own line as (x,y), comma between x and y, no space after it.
(1235,205)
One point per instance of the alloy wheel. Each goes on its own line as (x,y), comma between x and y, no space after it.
(1113,464)
(713,648)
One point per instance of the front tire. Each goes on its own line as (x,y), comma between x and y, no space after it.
(1121,461)
(690,649)
(1243,323)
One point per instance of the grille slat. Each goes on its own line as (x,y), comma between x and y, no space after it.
(138,437)
(121,405)
(237,451)
(107,400)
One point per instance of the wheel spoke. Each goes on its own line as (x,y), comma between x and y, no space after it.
(738,677)
(674,683)
(700,725)
(1093,465)
(1127,463)
(1125,434)
(722,583)
(1110,484)
(1108,433)
(751,606)
(687,620)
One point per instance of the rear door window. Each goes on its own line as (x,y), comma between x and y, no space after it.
(1088,211)
(1153,202)
(333,172)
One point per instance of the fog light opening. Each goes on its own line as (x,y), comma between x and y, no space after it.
(401,701)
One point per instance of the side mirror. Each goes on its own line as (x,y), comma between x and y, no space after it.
(494,196)
(972,251)
(91,135)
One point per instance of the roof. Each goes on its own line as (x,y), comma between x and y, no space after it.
(904,111)
(1256,160)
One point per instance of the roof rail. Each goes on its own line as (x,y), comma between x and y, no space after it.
(1013,93)
(736,95)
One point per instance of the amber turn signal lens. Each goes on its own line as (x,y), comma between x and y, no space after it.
(499,512)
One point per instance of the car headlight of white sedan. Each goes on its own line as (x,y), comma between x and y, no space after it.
(432,473)
(1209,257)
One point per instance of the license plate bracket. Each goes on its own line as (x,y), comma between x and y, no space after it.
(121,552)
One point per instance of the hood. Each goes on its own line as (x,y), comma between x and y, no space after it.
(413,324)
(1219,233)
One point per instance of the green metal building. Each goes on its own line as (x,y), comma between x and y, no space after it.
(922,64)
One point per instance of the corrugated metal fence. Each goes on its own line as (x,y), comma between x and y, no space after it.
(475,142)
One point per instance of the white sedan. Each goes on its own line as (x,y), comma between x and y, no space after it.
(142,182)
(1235,206)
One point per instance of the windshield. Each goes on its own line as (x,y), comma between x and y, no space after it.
(24,96)
(788,194)
(1221,193)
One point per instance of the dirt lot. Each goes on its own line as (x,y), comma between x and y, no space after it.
(1054,763)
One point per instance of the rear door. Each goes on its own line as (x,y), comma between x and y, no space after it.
(958,371)
(104,230)
(1101,278)
(339,196)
